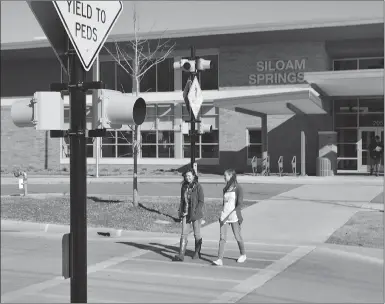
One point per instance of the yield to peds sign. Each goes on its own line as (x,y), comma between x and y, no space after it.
(88,24)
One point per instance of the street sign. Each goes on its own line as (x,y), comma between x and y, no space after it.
(88,24)
(195,97)
(185,93)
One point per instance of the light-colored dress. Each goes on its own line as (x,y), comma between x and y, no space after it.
(229,199)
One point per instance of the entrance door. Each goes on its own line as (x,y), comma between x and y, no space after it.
(365,135)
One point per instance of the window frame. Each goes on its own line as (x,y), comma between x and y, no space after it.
(248,144)
(199,143)
(357,59)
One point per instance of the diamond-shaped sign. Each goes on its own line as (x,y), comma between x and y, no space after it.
(195,97)
(88,24)
(185,93)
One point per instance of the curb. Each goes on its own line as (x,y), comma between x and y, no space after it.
(215,180)
(110,196)
(18,226)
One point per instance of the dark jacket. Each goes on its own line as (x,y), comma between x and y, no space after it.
(195,210)
(373,153)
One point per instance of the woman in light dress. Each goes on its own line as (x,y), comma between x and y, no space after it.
(231,216)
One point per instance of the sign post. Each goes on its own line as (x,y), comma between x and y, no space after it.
(87,24)
(195,100)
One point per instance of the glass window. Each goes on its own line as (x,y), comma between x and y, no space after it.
(347,136)
(345,121)
(66,147)
(148,151)
(208,78)
(371,105)
(254,144)
(148,137)
(124,79)
(347,150)
(349,64)
(371,63)
(371,120)
(148,80)
(159,78)
(346,106)
(347,164)
(107,74)
(210,138)
(165,75)
(187,151)
(124,137)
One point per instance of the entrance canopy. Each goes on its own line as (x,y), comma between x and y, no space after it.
(349,83)
(271,100)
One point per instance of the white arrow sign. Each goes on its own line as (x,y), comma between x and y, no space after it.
(88,24)
(195,97)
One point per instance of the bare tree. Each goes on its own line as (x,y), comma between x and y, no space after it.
(136,58)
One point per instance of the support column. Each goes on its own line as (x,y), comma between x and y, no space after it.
(303,154)
(178,134)
(265,165)
(95,114)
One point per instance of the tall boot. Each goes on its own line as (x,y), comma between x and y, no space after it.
(198,247)
(182,250)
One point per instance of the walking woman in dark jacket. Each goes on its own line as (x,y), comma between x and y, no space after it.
(190,212)
(231,215)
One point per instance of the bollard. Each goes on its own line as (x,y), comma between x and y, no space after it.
(254,164)
(294,165)
(23,181)
(264,164)
(280,165)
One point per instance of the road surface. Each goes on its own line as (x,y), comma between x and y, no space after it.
(139,269)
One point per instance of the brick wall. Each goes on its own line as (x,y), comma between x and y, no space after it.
(26,148)
(235,65)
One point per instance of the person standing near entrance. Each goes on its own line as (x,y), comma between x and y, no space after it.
(376,150)
(191,213)
(231,215)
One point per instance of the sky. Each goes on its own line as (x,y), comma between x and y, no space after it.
(173,17)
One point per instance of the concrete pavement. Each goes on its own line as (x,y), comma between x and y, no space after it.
(305,215)
(287,261)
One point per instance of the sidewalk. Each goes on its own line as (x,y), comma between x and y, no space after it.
(246,179)
(309,214)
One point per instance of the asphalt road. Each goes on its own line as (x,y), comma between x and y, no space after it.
(251,191)
(125,270)
(139,269)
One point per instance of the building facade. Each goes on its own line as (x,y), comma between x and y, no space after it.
(313,56)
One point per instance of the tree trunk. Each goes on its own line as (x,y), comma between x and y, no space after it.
(135,192)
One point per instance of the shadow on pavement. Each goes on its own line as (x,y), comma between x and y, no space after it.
(188,252)
(166,251)
(175,219)
(100,200)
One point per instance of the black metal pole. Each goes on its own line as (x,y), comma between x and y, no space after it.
(78,179)
(192,118)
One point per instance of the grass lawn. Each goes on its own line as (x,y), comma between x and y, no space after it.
(110,212)
(365,228)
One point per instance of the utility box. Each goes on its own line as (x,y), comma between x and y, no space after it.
(327,148)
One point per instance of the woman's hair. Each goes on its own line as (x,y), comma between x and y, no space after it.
(195,180)
(233,180)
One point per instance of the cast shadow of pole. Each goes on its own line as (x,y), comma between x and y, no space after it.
(175,219)
(167,251)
